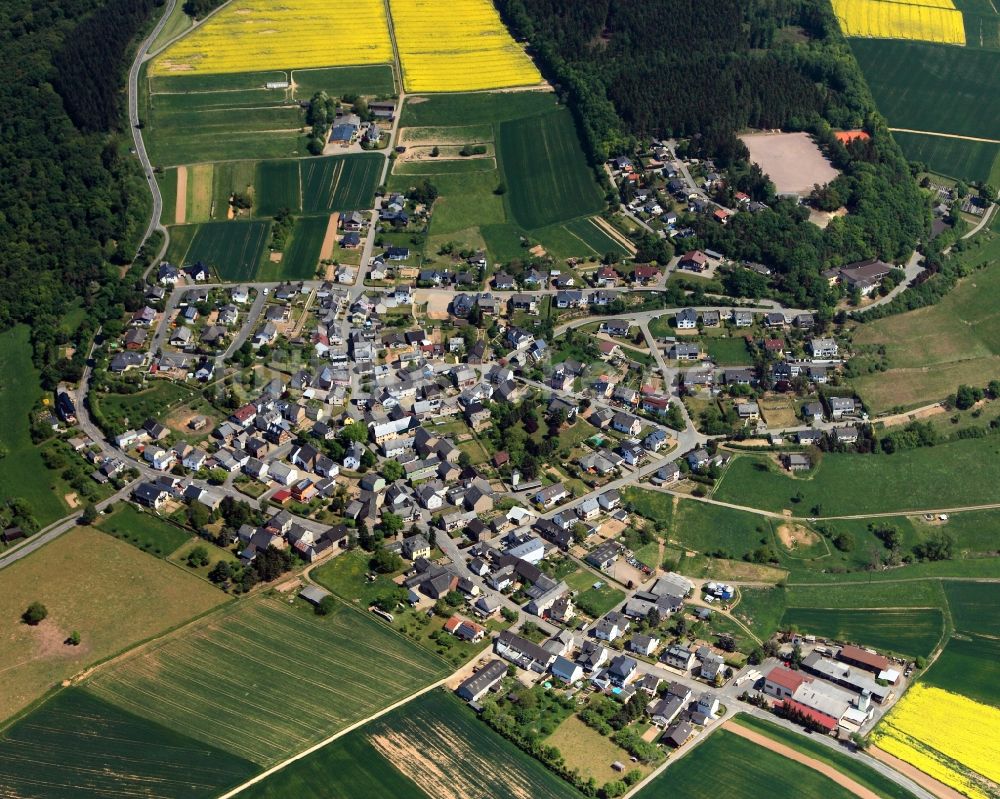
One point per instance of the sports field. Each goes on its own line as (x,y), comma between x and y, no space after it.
(107,590)
(340,183)
(457,46)
(264,679)
(76,746)
(910,632)
(259,35)
(232,249)
(728,765)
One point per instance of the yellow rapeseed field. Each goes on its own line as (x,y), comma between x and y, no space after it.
(945,735)
(924,20)
(457,45)
(265,35)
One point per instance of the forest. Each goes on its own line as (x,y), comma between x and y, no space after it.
(634,69)
(72,200)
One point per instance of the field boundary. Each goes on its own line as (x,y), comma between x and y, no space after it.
(945,135)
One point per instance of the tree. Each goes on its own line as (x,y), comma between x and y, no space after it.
(385,562)
(220,573)
(325,606)
(464,460)
(198,557)
(435,151)
(355,432)
(391,524)
(392,471)
(35,614)
(90,514)
(844,541)
(74,638)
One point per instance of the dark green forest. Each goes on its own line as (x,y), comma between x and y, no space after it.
(633,69)
(72,199)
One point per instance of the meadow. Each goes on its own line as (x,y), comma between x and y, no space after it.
(256,34)
(968,666)
(263,678)
(111,593)
(906,632)
(131,410)
(77,746)
(728,765)
(23,473)
(148,532)
(955,158)
(301,255)
(858,771)
(913,81)
(234,250)
(456,46)
(848,484)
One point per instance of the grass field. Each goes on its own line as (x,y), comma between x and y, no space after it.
(22,472)
(595,237)
(131,410)
(77,746)
(727,765)
(548,179)
(255,34)
(200,183)
(233,249)
(593,601)
(337,81)
(905,632)
(975,607)
(844,484)
(301,256)
(956,158)
(277,185)
(913,82)
(857,594)
(761,609)
(448,110)
(110,592)
(968,666)
(728,351)
(264,679)
(340,183)
(232,177)
(859,772)
(586,750)
(982,23)
(167,181)
(181,237)
(148,532)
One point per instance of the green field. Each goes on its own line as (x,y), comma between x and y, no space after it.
(78,746)
(548,179)
(265,679)
(982,23)
(593,601)
(301,256)
(478,108)
(847,484)
(338,81)
(968,665)
(727,765)
(131,410)
(180,84)
(22,472)
(906,632)
(234,250)
(436,168)
(728,351)
(277,186)
(588,231)
(761,609)
(975,607)
(862,594)
(148,532)
(433,746)
(340,182)
(167,181)
(931,87)
(956,158)
(859,772)
(231,177)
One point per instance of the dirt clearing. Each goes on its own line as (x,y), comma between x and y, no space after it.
(437,303)
(180,206)
(793,161)
(330,239)
(793,536)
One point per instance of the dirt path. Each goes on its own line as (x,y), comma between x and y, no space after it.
(180,210)
(326,251)
(944,135)
(925,781)
(909,416)
(614,233)
(792,754)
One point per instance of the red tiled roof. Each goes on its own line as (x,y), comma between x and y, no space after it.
(845,136)
(828,723)
(786,678)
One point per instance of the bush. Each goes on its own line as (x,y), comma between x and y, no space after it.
(35,614)
(325,606)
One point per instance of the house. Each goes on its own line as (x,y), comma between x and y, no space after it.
(667,474)
(695,261)
(823,348)
(681,351)
(592,655)
(678,657)
(655,441)
(416,546)
(687,319)
(464,630)
(524,302)
(742,318)
(645,274)
(662,712)
(609,500)
(611,627)
(150,495)
(643,644)
(135,338)
(476,686)
(522,652)
(863,276)
(566,670)
(616,327)
(797,462)
(708,705)
(622,670)
(813,412)
(627,424)
(711,663)
(604,556)
(698,458)
(782,683)
(839,406)
(678,734)
(748,411)
(552,495)
(846,435)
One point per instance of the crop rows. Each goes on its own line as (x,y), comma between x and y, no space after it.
(930,21)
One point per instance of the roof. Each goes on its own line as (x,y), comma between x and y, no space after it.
(822,719)
(863,657)
(484,678)
(786,678)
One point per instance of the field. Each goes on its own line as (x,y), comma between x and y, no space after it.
(594,602)
(231,177)
(941,733)
(857,771)
(728,351)
(22,472)
(975,607)
(131,410)
(232,249)
(148,532)
(110,592)
(761,609)
(256,34)
(967,666)
(956,158)
(929,20)
(77,746)
(337,81)
(728,765)
(793,161)
(932,350)
(340,183)
(913,83)
(277,186)
(845,484)
(586,750)
(595,237)
(906,632)
(457,46)
(548,179)
(264,679)
(301,255)
(982,23)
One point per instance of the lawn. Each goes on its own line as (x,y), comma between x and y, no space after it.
(233,249)
(148,532)
(547,174)
(906,632)
(228,680)
(847,484)
(968,666)
(975,607)
(338,81)
(277,186)
(77,746)
(111,593)
(956,158)
(22,472)
(131,410)
(727,765)
(859,772)
(727,351)
(595,602)
(584,749)
(340,182)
